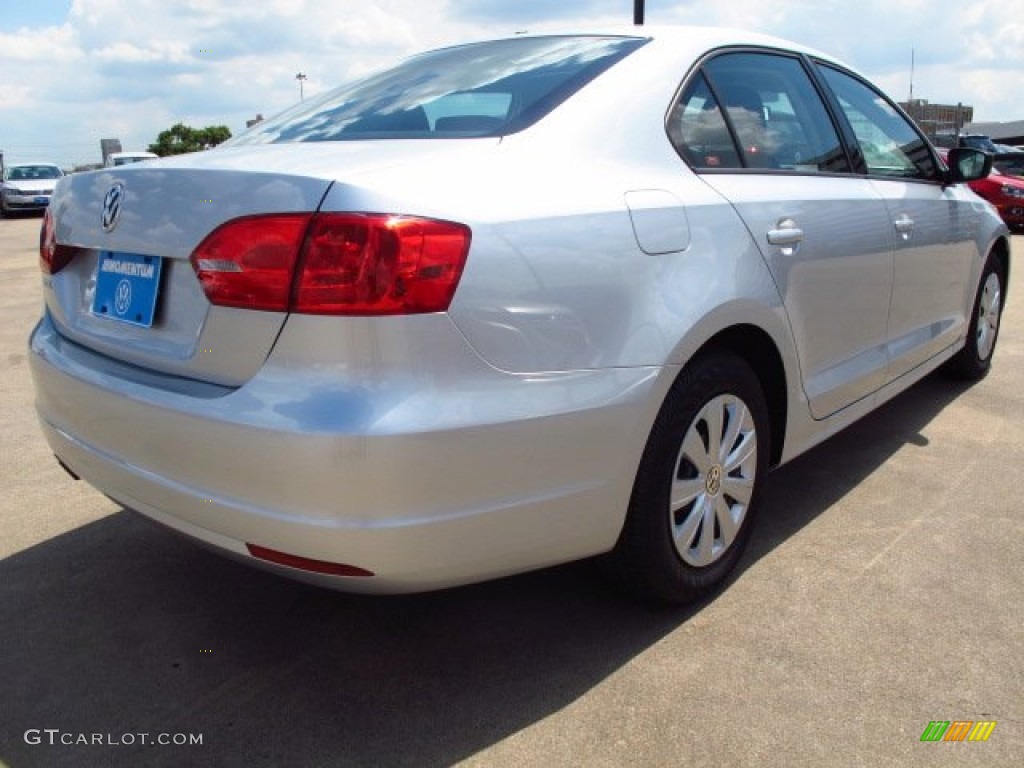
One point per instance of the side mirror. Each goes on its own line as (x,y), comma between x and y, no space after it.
(967,164)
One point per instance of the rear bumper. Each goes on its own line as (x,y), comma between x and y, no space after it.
(429,485)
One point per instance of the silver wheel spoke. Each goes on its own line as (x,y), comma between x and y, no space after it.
(707,533)
(738,488)
(726,523)
(695,451)
(737,413)
(714,413)
(683,534)
(685,491)
(745,451)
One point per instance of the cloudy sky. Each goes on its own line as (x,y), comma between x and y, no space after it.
(75,71)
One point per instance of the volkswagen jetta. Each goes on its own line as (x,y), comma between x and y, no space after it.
(511,304)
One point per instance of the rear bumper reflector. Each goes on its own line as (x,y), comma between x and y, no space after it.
(305,563)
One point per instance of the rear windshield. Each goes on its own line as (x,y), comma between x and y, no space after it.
(484,89)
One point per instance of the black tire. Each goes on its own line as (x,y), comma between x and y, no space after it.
(975,359)
(653,557)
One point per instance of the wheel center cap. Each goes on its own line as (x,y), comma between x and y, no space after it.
(713,481)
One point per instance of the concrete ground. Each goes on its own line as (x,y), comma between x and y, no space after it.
(884,590)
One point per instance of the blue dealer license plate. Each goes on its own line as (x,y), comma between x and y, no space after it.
(126,287)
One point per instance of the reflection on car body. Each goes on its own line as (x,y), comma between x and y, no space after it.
(511,304)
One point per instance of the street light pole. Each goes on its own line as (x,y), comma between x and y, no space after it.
(301,78)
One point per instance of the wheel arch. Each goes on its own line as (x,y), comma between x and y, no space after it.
(1001,251)
(757,348)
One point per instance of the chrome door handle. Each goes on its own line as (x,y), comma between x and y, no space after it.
(904,224)
(786,232)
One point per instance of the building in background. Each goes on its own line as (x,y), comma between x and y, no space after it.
(941,123)
(108,147)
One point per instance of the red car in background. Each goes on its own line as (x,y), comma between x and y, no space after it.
(1004,191)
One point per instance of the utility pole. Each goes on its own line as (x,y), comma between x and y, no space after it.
(301,78)
(911,76)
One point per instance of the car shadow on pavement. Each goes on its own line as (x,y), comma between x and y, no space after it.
(799,491)
(120,628)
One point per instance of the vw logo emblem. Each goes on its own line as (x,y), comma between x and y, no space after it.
(112,207)
(713,483)
(123,297)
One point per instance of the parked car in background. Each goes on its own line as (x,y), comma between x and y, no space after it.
(511,304)
(1009,163)
(27,186)
(126,158)
(978,141)
(1001,188)
(1006,193)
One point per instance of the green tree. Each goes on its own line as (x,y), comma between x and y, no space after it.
(180,138)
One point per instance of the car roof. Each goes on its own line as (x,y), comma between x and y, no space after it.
(680,45)
(690,36)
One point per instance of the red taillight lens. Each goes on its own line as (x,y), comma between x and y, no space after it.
(249,262)
(53,257)
(359,264)
(334,263)
(47,243)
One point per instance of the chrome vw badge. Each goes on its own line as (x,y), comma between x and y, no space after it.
(112,207)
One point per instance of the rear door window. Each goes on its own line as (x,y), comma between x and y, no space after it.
(767,107)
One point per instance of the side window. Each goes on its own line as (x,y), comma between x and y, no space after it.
(891,145)
(698,130)
(772,109)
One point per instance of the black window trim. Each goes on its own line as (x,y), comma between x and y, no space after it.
(844,130)
(806,64)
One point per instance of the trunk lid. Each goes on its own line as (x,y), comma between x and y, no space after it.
(167,208)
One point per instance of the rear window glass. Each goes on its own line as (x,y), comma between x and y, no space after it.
(484,89)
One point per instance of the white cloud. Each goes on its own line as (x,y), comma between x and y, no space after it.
(132,69)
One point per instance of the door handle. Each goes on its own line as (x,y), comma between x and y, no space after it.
(786,232)
(904,225)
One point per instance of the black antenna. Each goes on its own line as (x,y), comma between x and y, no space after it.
(638,12)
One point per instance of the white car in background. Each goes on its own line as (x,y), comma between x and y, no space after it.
(115,159)
(28,186)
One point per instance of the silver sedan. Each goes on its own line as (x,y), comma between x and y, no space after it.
(27,186)
(511,304)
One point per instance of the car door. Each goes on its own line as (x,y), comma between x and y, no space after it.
(932,225)
(754,126)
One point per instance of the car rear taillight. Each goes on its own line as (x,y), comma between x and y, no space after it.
(52,256)
(334,263)
(249,262)
(372,264)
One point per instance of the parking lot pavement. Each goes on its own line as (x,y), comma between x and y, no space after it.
(882,592)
